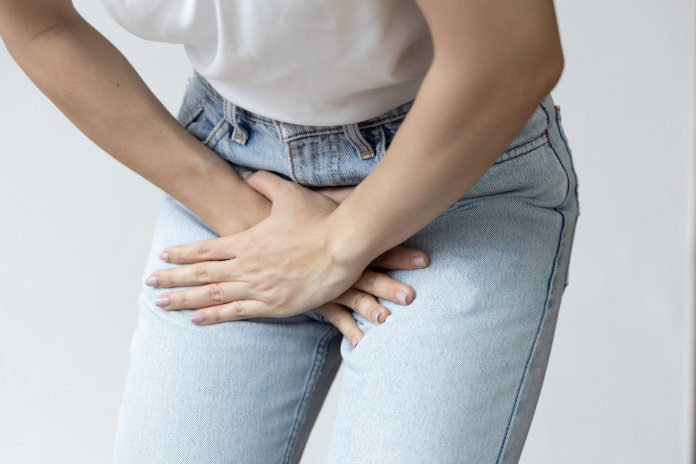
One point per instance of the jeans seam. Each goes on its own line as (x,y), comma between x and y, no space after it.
(545,133)
(335,129)
(213,134)
(555,152)
(300,417)
(291,164)
(549,291)
(338,148)
(188,110)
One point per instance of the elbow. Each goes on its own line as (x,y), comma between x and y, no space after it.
(528,80)
(537,74)
(551,70)
(512,73)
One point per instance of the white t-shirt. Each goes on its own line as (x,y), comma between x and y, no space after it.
(314,62)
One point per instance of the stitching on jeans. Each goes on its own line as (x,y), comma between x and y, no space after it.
(292,165)
(338,146)
(213,132)
(522,154)
(559,161)
(338,128)
(219,138)
(536,339)
(300,418)
(331,159)
(189,111)
(545,133)
(549,290)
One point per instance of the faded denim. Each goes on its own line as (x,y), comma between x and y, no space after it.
(452,378)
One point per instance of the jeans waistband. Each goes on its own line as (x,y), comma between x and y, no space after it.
(289,131)
(200,90)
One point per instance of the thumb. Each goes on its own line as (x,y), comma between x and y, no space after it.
(268,184)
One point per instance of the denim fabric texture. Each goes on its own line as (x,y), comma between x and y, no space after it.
(454,377)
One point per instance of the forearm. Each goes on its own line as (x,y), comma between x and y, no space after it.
(99,91)
(468,109)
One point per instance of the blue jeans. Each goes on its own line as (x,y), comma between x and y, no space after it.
(454,377)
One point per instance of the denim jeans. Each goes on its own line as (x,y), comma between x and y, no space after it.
(454,377)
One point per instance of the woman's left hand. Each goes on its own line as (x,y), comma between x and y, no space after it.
(281,267)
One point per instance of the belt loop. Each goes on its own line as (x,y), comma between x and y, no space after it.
(352,131)
(240,135)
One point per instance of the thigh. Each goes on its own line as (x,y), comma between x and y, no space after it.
(237,392)
(455,376)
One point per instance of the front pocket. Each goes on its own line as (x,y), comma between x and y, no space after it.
(525,148)
(530,173)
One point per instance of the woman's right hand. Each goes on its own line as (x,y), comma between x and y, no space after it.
(361,297)
(373,284)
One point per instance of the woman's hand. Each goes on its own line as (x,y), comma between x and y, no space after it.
(261,272)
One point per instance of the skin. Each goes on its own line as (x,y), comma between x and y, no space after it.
(495,60)
(98,90)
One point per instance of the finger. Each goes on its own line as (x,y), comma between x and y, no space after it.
(269,185)
(382,286)
(342,319)
(337,194)
(204,296)
(213,249)
(193,274)
(401,258)
(232,311)
(364,304)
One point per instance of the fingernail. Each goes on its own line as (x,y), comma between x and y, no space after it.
(197,318)
(163,300)
(375,316)
(401,296)
(354,342)
(152,281)
(164,256)
(244,174)
(418,261)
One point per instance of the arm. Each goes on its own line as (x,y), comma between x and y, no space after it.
(495,60)
(99,91)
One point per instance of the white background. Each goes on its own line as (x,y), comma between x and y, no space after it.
(75,229)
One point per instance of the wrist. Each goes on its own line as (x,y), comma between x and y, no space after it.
(348,247)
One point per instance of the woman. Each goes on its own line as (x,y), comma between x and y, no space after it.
(439,112)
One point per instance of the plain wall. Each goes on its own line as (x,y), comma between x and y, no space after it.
(76,228)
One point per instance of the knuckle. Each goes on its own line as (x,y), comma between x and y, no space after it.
(358,299)
(213,316)
(201,274)
(238,310)
(204,250)
(340,318)
(216,293)
(369,283)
